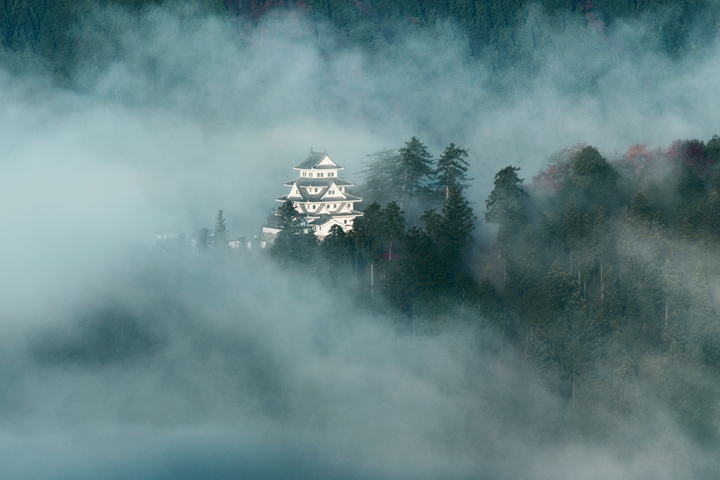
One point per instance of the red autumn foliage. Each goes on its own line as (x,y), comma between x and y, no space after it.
(558,171)
(691,153)
(638,158)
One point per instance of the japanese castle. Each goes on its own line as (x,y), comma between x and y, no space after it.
(321,195)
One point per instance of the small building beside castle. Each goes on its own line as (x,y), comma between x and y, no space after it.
(321,195)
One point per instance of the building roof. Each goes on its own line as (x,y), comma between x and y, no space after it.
(317,160)
(318,182)
(318,197)
(323,219)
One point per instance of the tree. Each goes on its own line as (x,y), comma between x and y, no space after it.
(451,170)
(640,208)
(399,176)
(220,235)
(337,249)
(594,180)
(416,168)
(505,203)
(296,241)
(456,226)
(608,318)
(574,226)
(589,167)
(392,225)
(383,177)
(366,234)
(712,149)
(204,239)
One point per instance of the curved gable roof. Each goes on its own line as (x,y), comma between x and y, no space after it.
(317,160)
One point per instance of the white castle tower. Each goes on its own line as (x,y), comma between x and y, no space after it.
(321,195)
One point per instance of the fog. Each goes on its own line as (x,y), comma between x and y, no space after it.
(116,364)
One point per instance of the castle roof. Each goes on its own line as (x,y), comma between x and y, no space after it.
(324,218)
(318,182)
(318,197)
(317,160)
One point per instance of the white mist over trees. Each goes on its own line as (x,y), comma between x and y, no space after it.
(119,363)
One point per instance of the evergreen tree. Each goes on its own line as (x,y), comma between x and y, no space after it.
(690,191)
(392,226)
(296,241)
(451,170)
(556,311)
(712,149)
(383,177)
(574,227)
(425,274)
(456,225)
(220,235)
(594,180)
(204,239)
(610,311)
(505,203)
(337,251)
(367,235)
(710,218)
(687,230)
(416,169)
(640,208)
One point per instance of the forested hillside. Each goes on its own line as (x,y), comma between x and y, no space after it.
(605,273)
(503,33)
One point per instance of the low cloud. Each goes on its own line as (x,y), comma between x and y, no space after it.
(116,364)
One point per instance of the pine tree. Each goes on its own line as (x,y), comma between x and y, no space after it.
(712,149)
(416,169)
(392,226)
(687,230)
(337,248)
(505,203)
(610,308)
(220,235)
(574,226)
(451,170)
(711,218)
(204,239)
(367,234)
(457,224)
(640,208)
(296,241)
(383,177)
(594,180)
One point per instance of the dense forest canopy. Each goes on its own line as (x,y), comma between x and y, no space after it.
(503,33)
(605,274)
